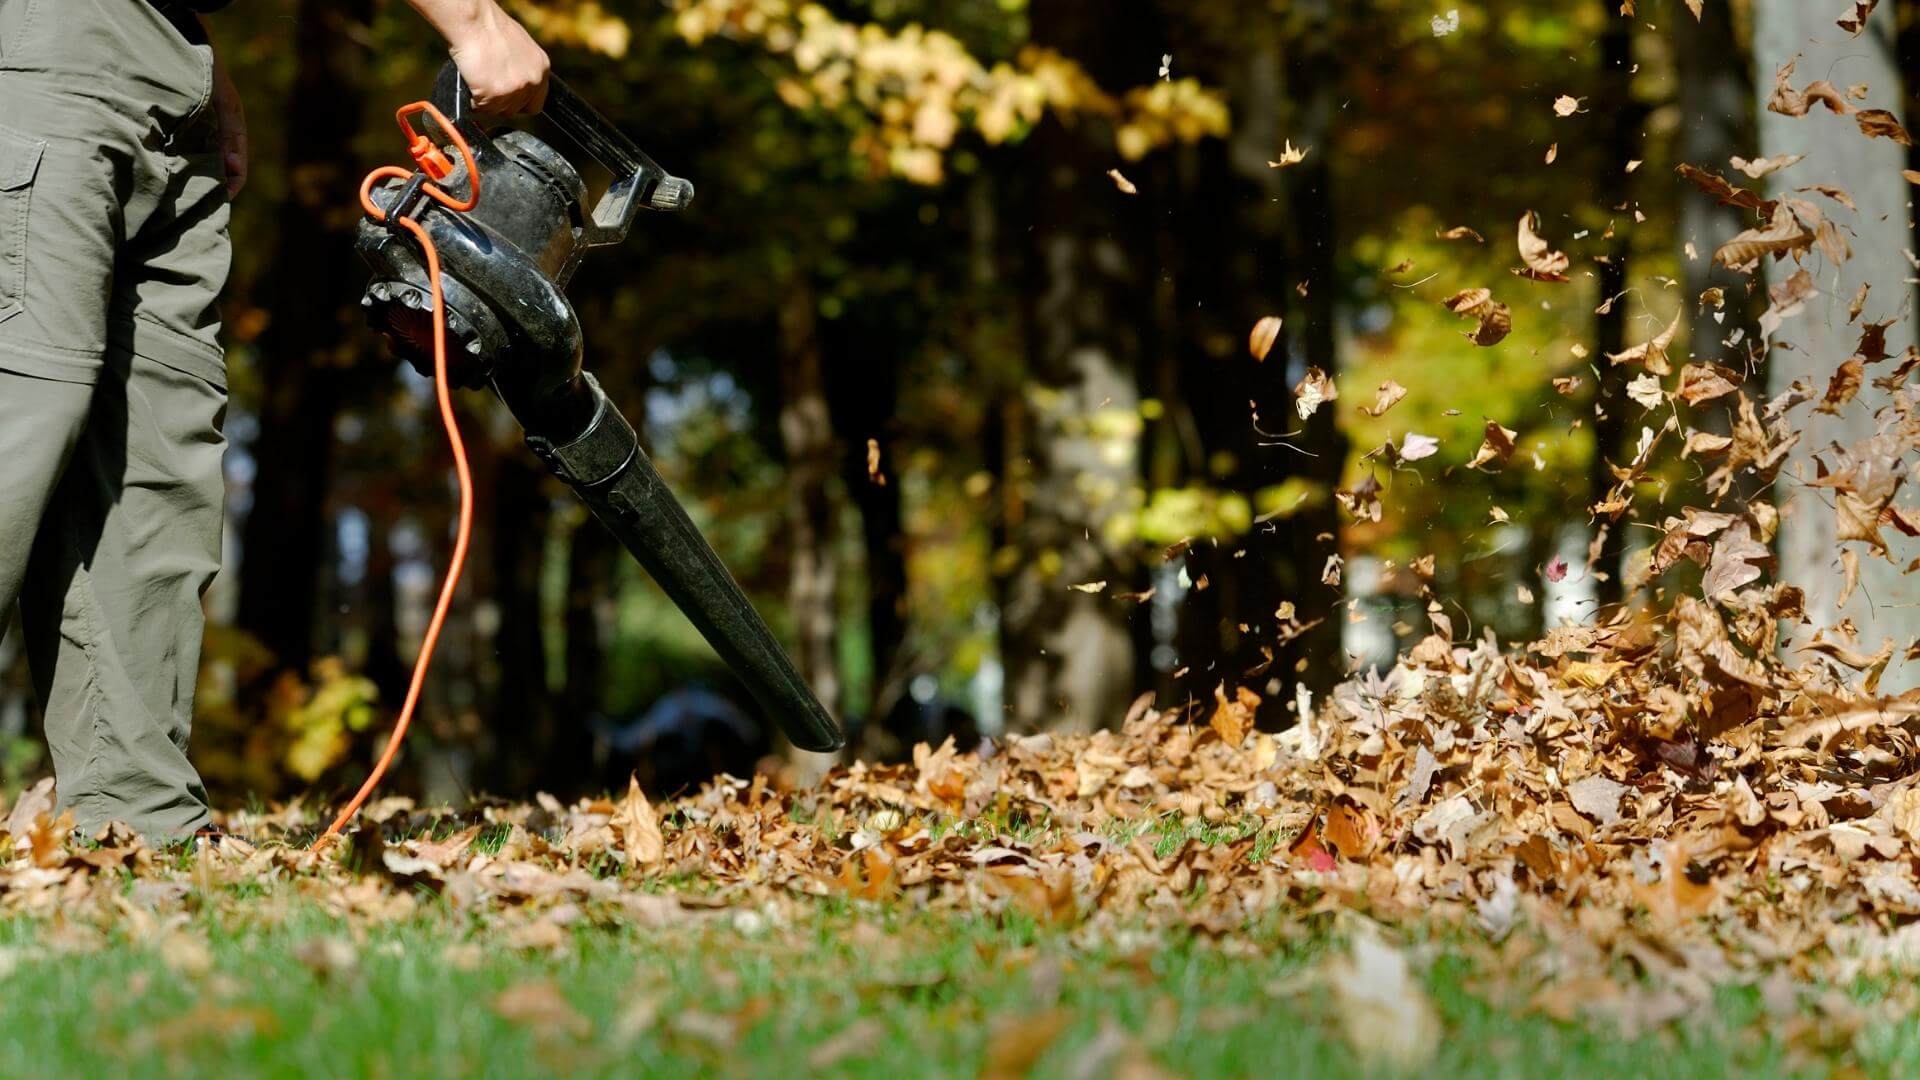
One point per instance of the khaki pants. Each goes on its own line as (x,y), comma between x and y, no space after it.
(113,249)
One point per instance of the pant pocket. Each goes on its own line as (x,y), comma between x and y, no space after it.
(19,162)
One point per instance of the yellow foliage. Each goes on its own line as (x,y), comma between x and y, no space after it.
(580,24)
(339,704)
(909,93)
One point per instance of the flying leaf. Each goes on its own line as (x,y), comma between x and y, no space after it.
(1855,21)
(1461,232)
(874,475)
(1385,398)
(1289,156)
(1705,382)
(1556,569)
(1542,262)
(1265,333)
(1565,105)
(1125,185)
(1089,587)
(1787,101)
(1645,391)
(1652,354)
(1881,124)
(1553,153)
(1384,1012)
(1695,7)
(1495,447)
(1232,717)
(1842,388)
(1314,390)
(1729,193)
(1416,446)
(1496,321)
(1767,166)
(1783,235)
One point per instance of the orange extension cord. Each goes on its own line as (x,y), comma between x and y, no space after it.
(435,165)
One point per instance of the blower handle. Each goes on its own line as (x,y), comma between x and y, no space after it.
(638,181)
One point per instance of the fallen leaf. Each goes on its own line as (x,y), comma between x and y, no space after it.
(1384,1012)
(1232,718)
(540,1006)
(633,821)
(1598,798)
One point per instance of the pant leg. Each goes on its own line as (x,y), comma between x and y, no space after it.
(117,268)
(40,423)
(112,599)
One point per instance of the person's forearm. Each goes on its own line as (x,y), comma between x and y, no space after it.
(458,20)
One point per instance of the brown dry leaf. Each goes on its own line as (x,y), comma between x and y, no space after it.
(1881,124)
(1496,320)
(540,1007)
(1416,446)
(1729,193)
(1553,153)
(1495,447)
(1695,6)
(34,802)
(1384,1012)
(1766,166)
(1790,102)
(634,823)
(1705,382)
(1565,105)
(1461,232)
(1842,388)
(1289,156)
(1232,718)
(1912,175)
(1645,391)
(1265,333)
(1017,1042)
(1598,798)
(1652,354)
(874,475)
(1855,20)
(329,958)
(1542,263)
(1090,587)
(1315,389)
(1384,398)
(1784,235)
(1125,185)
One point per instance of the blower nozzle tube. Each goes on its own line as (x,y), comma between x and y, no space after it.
(606,467)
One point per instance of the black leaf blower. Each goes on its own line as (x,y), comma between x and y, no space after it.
(504,263)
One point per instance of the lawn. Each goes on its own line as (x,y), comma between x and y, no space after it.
(271,983)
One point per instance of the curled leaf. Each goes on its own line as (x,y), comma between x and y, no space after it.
(1542,263)
(1652,354)
(1265,333)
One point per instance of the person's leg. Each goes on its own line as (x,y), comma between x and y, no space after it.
(124,253)
(40,422)
(127,549)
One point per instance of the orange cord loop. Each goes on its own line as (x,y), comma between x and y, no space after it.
(437,167)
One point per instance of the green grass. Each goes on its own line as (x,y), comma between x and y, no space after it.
(905,994)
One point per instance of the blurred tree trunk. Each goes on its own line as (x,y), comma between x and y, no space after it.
(1310,536)
(1068,653)
(284,540)
(1716,104)
(1811,346)
(1620,143)
(806,433)
(523,725)
(865,396)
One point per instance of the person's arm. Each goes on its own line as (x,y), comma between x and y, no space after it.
(505,69)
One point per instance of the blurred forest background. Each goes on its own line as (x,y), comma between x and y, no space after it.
(960,360)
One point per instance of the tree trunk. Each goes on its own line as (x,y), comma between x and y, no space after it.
(1715,102)
(1811,346)
(806,433)
(522,723)
(310,300)
(1621,143)
(865,398)
(1069,653)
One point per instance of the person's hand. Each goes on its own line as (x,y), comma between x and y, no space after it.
(505,69)
(230,117)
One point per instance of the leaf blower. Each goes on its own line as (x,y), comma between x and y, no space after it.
(471,252)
